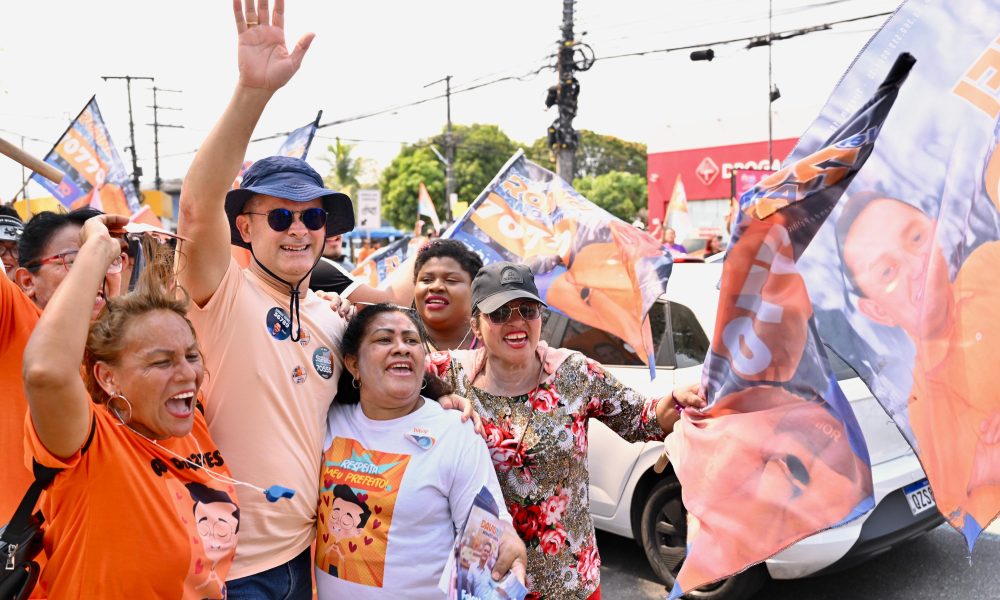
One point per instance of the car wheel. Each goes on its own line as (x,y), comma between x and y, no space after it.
(663,530)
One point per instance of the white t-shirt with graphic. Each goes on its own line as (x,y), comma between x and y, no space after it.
(393,494)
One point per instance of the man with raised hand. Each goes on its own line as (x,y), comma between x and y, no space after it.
(269,343)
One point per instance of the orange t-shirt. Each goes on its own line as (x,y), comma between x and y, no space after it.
(18,315)
(127,519)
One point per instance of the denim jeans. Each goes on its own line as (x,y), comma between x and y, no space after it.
(290,581)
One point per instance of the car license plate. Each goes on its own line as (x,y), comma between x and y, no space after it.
(918,494)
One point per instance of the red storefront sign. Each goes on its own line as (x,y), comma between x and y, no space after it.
(707,172)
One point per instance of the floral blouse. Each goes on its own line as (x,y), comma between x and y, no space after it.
(538,442)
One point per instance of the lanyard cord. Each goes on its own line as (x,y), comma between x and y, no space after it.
(293,302)
(195,466)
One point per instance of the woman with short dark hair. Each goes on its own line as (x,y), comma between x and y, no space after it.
(442,288)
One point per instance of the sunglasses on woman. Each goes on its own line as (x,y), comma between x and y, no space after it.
(529,312)
(280,219)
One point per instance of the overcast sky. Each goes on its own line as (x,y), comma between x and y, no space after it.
(377,54)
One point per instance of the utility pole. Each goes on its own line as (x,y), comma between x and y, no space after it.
(449,148)
(156,130)
(771,95)
(562,138)
(136,171)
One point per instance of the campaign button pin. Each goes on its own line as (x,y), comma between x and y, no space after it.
(299,375)
(279,324)
(304,337)
(323,362)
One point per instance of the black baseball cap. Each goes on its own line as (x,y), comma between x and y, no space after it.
(11,228)
(500,282)
(290,179)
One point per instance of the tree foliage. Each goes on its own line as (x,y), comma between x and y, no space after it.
(480,152)
(345,170)
(401,183)
(621,194)
(597,154)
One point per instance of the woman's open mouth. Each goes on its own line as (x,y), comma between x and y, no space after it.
(433,303)
(400,368)
(517,339)
(181,405)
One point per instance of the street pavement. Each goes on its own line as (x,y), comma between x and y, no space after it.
(932,567)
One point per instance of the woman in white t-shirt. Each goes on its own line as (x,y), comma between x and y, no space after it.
(399,473)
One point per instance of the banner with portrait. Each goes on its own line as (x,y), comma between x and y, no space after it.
(905,275)
(778,454)
(588,264)
(95,173)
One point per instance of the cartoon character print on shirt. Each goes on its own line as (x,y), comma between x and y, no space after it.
(358,491)
(212,519)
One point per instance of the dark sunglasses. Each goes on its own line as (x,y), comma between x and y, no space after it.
(529,312)
(280,219)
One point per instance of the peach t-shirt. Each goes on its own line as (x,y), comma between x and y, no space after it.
(18,316)
(267,399)
(128,519)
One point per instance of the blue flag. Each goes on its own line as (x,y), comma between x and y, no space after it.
(93,167)
(296,145)
(588,264)
(905,277)
(778,454)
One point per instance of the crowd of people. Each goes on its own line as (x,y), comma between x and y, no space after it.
(221,430)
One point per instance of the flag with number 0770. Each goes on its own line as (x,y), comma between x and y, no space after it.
(90,160)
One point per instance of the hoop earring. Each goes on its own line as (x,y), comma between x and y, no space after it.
(114,410)
(355,384)
(423,384)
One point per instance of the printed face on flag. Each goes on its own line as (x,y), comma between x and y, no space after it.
(905,280)
(803,477)
(892,255)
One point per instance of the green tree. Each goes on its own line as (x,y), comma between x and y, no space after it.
(480,152)
(597,154)
(345,170)
(621,194)
(401,183)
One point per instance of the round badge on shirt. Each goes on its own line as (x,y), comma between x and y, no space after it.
(279,323)
(305,338)
(299,375)
(323,362)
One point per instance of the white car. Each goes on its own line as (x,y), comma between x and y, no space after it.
(628,498)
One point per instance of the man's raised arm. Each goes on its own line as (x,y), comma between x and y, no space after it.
(265,65)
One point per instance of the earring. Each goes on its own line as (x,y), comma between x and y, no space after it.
(423,385)
(114,410)
(355,384)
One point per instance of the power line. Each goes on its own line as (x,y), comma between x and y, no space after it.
(760,41)
(753,40)
(26,137)
(398,107)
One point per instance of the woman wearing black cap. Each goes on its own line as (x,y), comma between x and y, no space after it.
(535,402)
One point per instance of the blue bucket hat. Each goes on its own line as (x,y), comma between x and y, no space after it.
(291,179)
